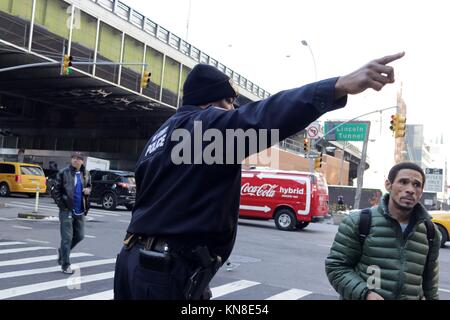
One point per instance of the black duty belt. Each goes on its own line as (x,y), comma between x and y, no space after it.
(150,243)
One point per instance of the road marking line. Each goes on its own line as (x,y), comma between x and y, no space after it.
(88,236)
(292,294)
(11,243)
(124,221)
(95,215)
(107,214)
(5,219)
(56,209)
(324,245)
(105,295)
(43,286)
(21,227)
(32,204)
(37,241)
(444,290)
(40,259)
(80,265)
(32,207)
(232,287)
(24,249)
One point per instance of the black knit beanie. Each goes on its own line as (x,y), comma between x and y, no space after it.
(206,84)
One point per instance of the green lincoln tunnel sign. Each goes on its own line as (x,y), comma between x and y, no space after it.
(352,131)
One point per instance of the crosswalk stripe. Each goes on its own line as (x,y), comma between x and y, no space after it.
(32,204)
(55,208)
(43,286)
(232,287)
(22,227)
(292,294)
(106,213)
(11,243)
(95,215)
(4,251)
(105,295)
(80,265)
(32,207)
(40,259)
(37,241)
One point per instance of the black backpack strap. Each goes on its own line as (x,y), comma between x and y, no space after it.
(365,219)
(431,232)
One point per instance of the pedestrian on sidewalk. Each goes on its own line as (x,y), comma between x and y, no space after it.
(72,188)
(390,251)
(184,222)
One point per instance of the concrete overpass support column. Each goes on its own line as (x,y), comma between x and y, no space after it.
(72,14)
(162,78)
(96,47)
(33,14)
(121,57)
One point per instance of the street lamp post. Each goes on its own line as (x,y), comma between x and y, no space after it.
(305,43)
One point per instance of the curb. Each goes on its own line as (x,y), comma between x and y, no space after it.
(32,216)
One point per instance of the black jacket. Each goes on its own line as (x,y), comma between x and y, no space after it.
(199,203)
(64,188)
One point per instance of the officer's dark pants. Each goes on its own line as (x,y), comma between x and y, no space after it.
(133,282)
(72,232)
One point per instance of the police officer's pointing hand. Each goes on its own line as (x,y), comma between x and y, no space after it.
(376,74)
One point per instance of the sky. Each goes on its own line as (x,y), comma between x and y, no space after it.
(261,40)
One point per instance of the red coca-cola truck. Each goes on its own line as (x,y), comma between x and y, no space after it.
(292,198)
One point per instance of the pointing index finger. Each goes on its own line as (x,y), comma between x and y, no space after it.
(388,59)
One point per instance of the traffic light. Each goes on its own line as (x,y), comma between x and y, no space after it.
(318,162)
(400,129)
(305,145)
(393,123)
(398,125)
(67,64)
(145,79)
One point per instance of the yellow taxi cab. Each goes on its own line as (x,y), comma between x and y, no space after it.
(442,220)
(21,178)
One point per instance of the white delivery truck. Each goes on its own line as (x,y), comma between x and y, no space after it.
(92,163)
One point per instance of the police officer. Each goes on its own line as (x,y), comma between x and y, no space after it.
(184,221)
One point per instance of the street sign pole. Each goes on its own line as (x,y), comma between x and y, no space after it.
(311,160)
(361,170)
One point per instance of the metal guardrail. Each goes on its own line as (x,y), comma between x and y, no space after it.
(142,22)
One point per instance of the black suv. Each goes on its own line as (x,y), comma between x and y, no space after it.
(113,188)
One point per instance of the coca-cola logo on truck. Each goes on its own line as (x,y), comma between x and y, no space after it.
(266,190)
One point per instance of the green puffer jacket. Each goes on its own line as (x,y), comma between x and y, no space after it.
(400,257)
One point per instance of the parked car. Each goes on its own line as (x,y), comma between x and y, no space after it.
(442,220)
(17,177)
(113,188)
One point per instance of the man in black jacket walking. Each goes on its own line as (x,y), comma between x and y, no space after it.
(184,220)
(72,188)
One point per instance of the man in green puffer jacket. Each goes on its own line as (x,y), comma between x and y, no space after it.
(390,263)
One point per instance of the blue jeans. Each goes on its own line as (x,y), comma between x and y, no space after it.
(72,232)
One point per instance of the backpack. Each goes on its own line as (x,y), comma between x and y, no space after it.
(366,219)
